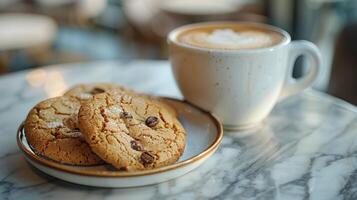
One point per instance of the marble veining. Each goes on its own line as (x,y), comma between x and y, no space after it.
(306,148)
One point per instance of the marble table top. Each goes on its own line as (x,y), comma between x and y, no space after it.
(307,148)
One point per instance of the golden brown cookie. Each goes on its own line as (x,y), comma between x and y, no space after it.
(158,101)
(131,132)
(51,129)
(86,91)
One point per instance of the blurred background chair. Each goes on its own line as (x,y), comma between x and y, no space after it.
(85,30)
(343,82)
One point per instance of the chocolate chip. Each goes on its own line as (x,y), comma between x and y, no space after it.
(135,146)
(146,159)
(123,169)
(151,121)
(125,115)
(96,91)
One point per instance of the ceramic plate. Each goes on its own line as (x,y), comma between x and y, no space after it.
(203,135)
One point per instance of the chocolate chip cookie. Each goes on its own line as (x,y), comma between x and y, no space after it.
(131,132)
(158,101)
(51,128)
(86,91)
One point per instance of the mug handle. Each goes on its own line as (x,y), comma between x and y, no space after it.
(312,53)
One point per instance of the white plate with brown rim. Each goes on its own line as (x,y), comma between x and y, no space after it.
(203,136)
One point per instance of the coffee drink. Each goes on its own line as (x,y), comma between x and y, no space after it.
(238,70)
(230,36)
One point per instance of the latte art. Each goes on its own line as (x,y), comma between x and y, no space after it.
(228,38)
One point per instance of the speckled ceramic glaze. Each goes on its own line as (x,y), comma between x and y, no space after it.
(240,86)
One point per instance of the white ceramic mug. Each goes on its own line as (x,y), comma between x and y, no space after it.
(240,86)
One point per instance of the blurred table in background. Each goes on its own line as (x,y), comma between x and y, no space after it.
(30,36)
(27,33)
(119,29)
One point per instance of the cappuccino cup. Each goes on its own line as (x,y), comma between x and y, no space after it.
(238,70)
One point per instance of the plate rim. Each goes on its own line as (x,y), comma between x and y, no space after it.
(116,174)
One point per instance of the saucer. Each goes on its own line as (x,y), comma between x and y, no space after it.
(203,136)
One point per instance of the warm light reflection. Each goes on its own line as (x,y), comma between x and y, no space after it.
(54,85)
(51,81)
(36,78)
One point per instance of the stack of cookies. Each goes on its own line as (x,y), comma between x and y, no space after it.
(93,124)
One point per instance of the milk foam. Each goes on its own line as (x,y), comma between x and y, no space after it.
(230,39)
